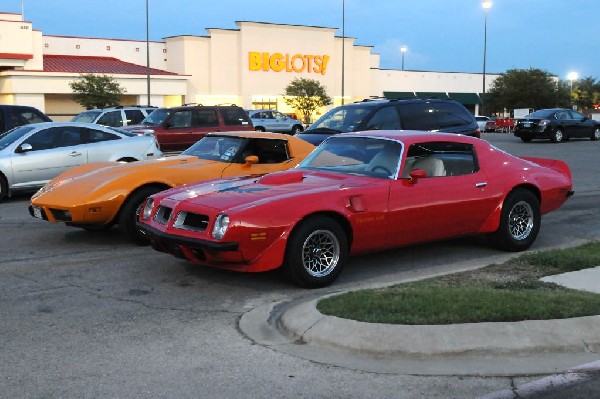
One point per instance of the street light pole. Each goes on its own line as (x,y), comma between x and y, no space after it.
(572,76)
(486,6)
(147,55)
(343,43)
(403,50)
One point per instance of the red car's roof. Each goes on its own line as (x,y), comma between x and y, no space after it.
(412,136)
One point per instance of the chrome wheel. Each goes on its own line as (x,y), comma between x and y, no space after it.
(520,220)
(596,135)
(558,136)
(320,253)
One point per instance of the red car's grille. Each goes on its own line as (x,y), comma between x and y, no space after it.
(163,214)
(191,221)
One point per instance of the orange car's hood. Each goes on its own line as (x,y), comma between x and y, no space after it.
(80,182)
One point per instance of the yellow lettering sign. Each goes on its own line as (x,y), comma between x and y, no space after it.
(279,62)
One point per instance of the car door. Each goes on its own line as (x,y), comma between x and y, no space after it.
(581,125)
(566,123)
(102,145)
(53,151)
(280,122)
(177,131)
(265,119)
(453,203)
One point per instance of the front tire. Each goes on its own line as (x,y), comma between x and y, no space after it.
(526,139)
(557,136)
(130,212)
(595,134)
(316,252)
(259,129)
(297,129)
(519,222)
(3,187)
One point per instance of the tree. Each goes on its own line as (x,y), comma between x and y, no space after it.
(527,88)
(305,96)
(586,93)
(96,91)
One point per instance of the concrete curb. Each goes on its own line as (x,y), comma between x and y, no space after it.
(304,322)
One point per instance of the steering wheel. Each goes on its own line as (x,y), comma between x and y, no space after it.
(383,168)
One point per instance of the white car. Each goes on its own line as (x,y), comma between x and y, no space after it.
(31,155)
(266,120)
(481,121)
(115,116)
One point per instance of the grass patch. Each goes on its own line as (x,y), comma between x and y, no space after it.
(496,293)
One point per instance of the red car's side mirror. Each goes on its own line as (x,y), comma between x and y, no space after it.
(416,174)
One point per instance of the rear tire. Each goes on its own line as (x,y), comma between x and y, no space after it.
(297,129)
(130,212)
(259,129)
(557,136)
(519,222)
(526,139)
(595,134)
(316,252)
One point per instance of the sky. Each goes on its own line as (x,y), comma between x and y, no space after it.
(558,36)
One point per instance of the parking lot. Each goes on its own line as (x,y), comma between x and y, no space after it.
(88,315)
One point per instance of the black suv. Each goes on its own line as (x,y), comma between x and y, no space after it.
(18,115)
(415,114)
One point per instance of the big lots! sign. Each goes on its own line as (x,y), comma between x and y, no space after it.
(279,62)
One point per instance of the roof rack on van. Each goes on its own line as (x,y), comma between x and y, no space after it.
(226,105)
(191,104)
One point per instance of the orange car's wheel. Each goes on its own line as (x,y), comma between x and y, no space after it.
(130,212)
(316,252)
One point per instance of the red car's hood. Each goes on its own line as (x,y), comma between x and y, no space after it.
(230,193)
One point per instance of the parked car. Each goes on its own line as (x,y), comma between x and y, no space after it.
(357,193)
(31,155)
(482,121)
(415,114)
(115,116)
(265,120)
(177,128)
(12,116)
(491,125)
(116,191)
(556,124)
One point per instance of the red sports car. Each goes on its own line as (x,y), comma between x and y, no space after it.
(357,193)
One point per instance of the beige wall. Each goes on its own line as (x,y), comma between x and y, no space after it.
(227,66)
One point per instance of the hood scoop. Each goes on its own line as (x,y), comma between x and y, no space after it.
(282,178)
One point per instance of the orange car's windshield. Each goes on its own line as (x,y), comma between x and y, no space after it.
(218,148)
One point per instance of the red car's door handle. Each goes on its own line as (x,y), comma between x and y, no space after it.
(482,184)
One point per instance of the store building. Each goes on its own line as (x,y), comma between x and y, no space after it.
(249,66)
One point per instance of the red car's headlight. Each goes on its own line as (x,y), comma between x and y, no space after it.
(220,227)
(147,211)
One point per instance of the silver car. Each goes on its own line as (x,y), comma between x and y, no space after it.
(31,155)
(266,120)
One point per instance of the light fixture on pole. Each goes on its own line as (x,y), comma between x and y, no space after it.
(487,4)
(403,50)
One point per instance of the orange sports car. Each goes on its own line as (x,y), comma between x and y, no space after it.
(96,196)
